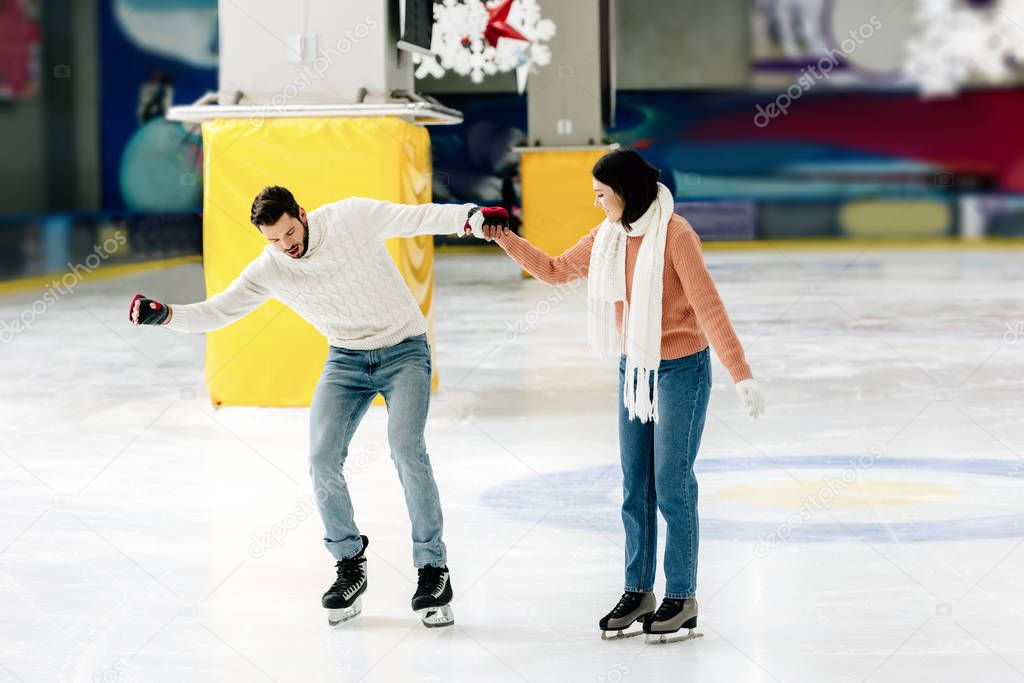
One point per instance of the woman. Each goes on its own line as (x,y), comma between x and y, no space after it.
(645,267)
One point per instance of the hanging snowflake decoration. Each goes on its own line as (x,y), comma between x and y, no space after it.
(478,39)
(959,41)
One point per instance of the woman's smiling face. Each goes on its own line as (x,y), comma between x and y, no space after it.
(608,201)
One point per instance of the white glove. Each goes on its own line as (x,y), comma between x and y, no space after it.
(476,224)
(751,396)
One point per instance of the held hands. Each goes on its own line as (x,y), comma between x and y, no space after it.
(493,232)
(487,223)
(145,311)
(751,396)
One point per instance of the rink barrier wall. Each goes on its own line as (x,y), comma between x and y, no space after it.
(866,243)
(39,281)
(36,282)
(817,243)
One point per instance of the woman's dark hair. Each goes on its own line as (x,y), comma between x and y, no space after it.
(270,204)
(632,178)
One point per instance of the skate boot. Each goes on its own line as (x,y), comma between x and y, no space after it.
(343,599)
(671,617)
(632,607)
(433,593)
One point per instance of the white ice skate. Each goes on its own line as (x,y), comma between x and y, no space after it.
(631,608)
(665,625)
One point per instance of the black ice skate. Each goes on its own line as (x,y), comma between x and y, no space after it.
(433,593)
(632,607)
(671,617)
(343,599)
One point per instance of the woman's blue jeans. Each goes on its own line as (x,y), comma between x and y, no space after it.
(657,474)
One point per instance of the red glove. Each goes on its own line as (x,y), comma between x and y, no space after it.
(151,312)
(494,216)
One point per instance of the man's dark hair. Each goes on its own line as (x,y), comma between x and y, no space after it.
(271,203)
(632,178)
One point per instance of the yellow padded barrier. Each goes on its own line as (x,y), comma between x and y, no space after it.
(895,218)
(272,357)
(558,198)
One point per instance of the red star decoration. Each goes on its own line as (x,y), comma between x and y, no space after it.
(497,26)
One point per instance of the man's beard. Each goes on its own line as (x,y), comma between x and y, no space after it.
(305,239)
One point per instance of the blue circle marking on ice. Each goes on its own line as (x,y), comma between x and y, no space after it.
(586,499)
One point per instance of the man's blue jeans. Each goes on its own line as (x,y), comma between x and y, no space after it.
(350,380)
(657,474)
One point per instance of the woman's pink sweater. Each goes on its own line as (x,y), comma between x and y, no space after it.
(691,310)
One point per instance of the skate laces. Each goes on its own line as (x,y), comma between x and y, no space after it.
(350,572)
(430,579)
(627,603)
(667,608)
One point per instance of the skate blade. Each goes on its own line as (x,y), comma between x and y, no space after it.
(665,638)
(437,617)
(340,615)
(620,634)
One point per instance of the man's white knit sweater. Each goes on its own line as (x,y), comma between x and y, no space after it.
(346,284)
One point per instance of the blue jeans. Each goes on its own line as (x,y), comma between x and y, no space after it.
(657,474)
(350,380)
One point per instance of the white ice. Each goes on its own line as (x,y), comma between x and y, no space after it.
(148,537)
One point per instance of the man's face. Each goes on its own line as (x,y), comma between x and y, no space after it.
(289,234)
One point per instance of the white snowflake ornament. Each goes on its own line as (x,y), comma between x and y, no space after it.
(478,39)
(959,41)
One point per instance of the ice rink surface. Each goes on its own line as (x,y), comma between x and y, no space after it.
(868,528)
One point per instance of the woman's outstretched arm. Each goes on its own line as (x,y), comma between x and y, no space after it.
(572,264)
(707,304)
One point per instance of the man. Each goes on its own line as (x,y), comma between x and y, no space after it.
(332,267)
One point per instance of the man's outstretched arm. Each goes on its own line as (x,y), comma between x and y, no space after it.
(243,295)
(386,219)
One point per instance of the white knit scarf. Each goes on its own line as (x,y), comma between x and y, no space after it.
(641,320)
